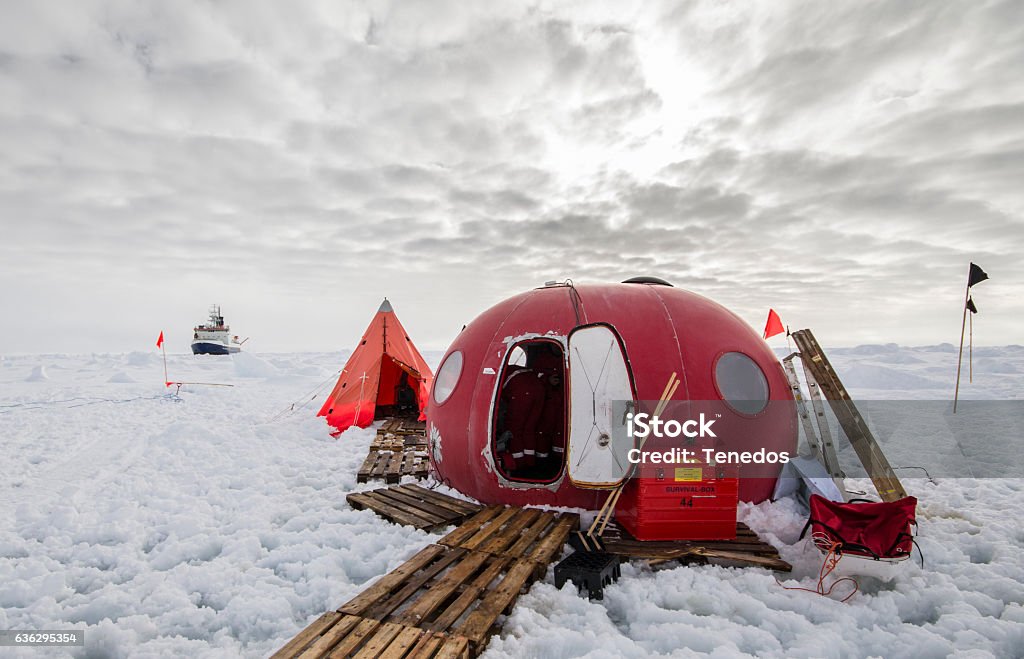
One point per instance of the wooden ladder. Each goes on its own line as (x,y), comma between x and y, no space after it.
(818,371)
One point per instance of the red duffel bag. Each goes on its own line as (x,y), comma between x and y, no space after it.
(871,529)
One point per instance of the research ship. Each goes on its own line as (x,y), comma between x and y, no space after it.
(214,337)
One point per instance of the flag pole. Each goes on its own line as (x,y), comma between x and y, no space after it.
(164,351)
(970,349)
(960,359)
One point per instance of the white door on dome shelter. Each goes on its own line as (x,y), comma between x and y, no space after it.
(600,396)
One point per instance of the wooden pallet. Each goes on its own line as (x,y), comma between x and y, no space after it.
(339,635)
(747,548)
(392,442)
(414,505)
(398,449)
(449,596)
(447,589)
(390,466)
(530,534)
(402,427)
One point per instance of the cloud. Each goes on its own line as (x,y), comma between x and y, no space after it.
(298,162)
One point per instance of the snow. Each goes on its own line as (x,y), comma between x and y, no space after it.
(214,523)
(38,374)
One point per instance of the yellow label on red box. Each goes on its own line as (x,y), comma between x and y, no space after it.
(689,474)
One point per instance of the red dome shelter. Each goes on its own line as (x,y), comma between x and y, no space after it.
(523,383)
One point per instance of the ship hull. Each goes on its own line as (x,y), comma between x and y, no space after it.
(210,348)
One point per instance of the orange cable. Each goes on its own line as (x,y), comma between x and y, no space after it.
(833,554)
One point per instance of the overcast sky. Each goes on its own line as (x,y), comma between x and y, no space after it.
(298,161)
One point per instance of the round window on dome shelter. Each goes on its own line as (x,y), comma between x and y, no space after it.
(447,377)
(741,382)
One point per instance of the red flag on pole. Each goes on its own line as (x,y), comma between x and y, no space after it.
(160,341)
(774,325)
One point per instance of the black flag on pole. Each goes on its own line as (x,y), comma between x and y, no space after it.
(977,276)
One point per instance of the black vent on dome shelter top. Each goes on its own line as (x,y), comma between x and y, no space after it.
(647,280)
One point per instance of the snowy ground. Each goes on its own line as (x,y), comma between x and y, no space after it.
(199,526)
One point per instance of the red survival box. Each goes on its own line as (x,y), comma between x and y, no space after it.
(688,502)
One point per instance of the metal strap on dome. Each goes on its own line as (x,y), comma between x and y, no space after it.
(648,280)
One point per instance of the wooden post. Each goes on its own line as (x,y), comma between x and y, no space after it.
(960,358)
(605,514)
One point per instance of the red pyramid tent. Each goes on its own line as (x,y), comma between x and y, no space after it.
(385,375)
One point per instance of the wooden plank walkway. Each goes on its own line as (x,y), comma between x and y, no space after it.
(399,449)
(414,505)
(446,600)
(747,548)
